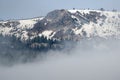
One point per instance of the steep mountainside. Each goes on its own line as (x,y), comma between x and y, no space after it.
(65,24)
(62,25)
(23,40)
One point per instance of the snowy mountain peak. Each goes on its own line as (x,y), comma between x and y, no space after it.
(66,25)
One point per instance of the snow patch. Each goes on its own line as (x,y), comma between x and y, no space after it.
(27,24)
(47,33)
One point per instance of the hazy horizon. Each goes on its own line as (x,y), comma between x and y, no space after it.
(21,9)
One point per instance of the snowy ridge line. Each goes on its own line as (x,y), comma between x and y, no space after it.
(18,28)
(110,26)
(65,24)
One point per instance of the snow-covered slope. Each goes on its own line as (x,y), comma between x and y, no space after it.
(104,27)
(18,28)
(66,25)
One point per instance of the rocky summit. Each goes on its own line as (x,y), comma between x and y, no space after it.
(62,25)
(22,40)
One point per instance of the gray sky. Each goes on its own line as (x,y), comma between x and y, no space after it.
(17,9)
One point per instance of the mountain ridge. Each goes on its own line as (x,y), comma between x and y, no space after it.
(65,25)
(58,30)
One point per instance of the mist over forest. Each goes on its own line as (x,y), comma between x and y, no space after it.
(88,59)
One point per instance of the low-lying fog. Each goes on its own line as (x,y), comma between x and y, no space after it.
(88,60)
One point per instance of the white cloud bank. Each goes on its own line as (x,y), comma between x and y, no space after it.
(89,60)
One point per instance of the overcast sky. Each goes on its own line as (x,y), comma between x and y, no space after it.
(17,9)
